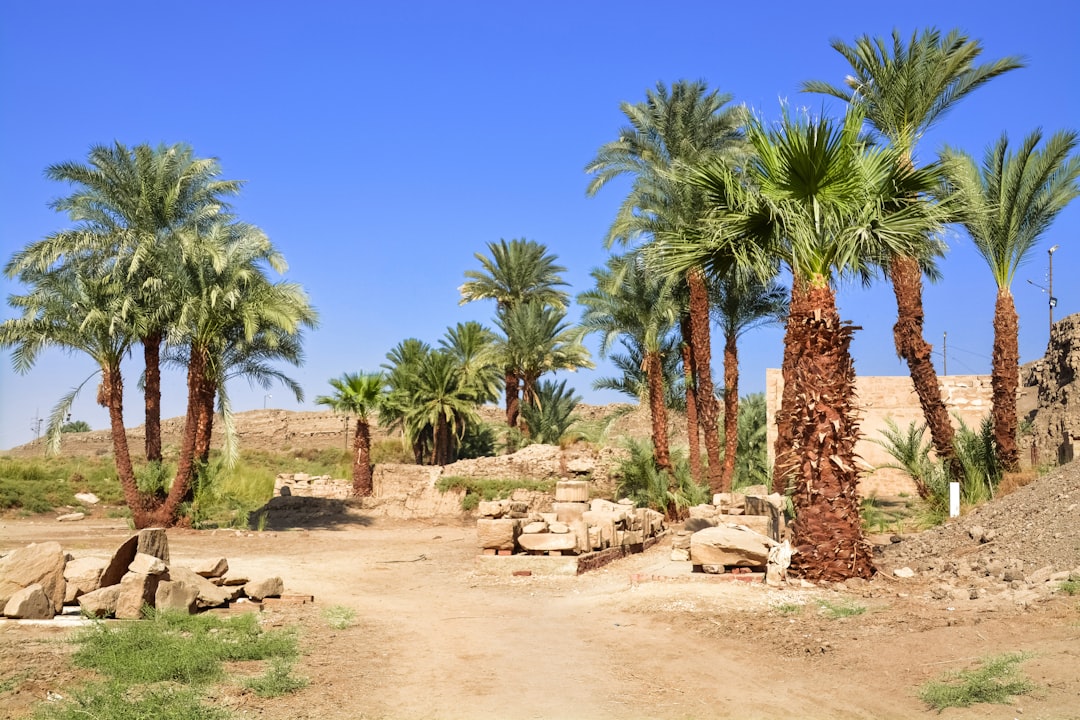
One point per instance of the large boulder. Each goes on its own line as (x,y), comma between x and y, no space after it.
(150,541)
(100,603)
(83,575)
(173,595)
(39,563)
(209,595)
(730,545)
(269,587)
(137,591)
(29,603)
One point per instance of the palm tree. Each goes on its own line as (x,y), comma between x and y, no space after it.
(439,406)
(685,126)
(550,414)
(474,347)
(743,303)
(129,205)
(1006,206)
(359,394)
(404,361)
(630,302)
(904,89)
(828,206)
(518,272)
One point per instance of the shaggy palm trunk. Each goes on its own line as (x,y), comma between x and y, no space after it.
(708,410)
(654,373)
(731,410)
(784,463)
(906,278)
(827,531)
(152,395)
(441,447)
(111,395)
(196,423)
(693,431)
(1004,380)
(362,485)
(513,401)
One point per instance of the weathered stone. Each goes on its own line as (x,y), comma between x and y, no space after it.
(497,534)
(631,537)
(549,517)
(269,587)
(210,568)
(695,524)
(904,572)
(680,554)
(729,546)
(173,595)
(83,575)
(572,491)
(144,564)
(153,541)
(71,517)
(771,507)
(493,508)
(137,591)
(538,526)
(569,512)
(703,511)
(606,506)
(100,603)
(548,541)
(39,563)
(759,490)
(760,524)
(727,502)
(596,540)
(558,528)
(87,498)
(29,603)
(754,504)
(681,540)
(210,595)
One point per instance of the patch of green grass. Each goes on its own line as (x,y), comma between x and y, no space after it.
(489,489)
(277,681)
(116,701)
(1070,586)
(788,608)
(38,485)
(995,680)
(10,683)
(339,617)
(837,610)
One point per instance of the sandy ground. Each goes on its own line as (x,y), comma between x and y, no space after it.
(639,638)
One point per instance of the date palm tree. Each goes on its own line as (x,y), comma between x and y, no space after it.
(474,347)
(821,201)
(1007,205)
(629,302)
(904,88)
(362,395)
(685,125)
(517,272)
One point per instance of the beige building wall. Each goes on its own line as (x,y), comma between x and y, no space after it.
(880,398)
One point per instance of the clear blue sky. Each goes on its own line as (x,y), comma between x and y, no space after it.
(385,143)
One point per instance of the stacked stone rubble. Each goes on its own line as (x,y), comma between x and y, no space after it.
(737,530)
(575,526)
(38,581)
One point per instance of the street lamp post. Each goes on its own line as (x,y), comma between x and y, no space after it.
(1050,285)
(266,397)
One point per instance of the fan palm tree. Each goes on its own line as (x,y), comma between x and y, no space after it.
(904,88)
(362,395)
(817,198)
(685,125)
(520,271)
(743,302)
(129,205)
(1007,205)
(630,302)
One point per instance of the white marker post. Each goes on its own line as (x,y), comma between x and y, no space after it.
(954,499)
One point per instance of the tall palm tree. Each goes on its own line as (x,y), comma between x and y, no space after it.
(440,405)
(404,361)
(827,206)
(904,88)
(743,302)
(520,271)
(362,395)
(686,125)
(474,347)
(129,204)
(1007,205)
(630,302)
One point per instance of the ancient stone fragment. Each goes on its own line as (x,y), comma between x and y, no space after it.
(29,603)
(40,563)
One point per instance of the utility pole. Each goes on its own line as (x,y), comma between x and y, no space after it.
(35,425)
(1050,285)
(944,353)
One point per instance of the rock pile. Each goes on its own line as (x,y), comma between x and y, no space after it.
(37,581)
(736,531)
(575,526)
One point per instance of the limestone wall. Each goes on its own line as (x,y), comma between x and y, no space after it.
(1055,380)
(881,398)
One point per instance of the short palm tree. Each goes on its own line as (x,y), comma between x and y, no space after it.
(360,394)
(904,88)
(1006,206)
(683,126)
(474,347)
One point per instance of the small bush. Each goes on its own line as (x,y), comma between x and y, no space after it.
(996,680)
(339,617)
(1071,586)
(641,480)
(477,489)
(116,701)
(277,681)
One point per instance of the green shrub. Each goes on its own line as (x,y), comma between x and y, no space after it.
(996,680)
(837,610)
(116,701)
(477,489)
(642,480)
(277,681)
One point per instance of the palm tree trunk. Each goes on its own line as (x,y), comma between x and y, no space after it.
(362,482)
(654,373)
(708,411)
(784,463)
(1005,379)
(152,395)
(731,410)
(166,515)
(693,430)
(513,402)
(906,278)
(441,451)
(111,395)
(827,531)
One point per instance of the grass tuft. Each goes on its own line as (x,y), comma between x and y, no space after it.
(1071,586)
(996,680)
(339,617)
(835,611)
(116,701)
(477,489)
(277,681)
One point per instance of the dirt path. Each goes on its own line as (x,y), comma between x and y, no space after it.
(436,639)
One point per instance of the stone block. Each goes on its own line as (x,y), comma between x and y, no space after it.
(497,534)
(136,591)
(493,508)
(726,502)
(558,527)
(532,528)
(729,546)
(569,512)
(545,542)
(173,595)
(100,603)
(549,517)
(83,575)
(29,603)
(703,511)
(144,564)
(210,595)
(259,589)
(572,491)
(38,563)
(760,524)
(211,567)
